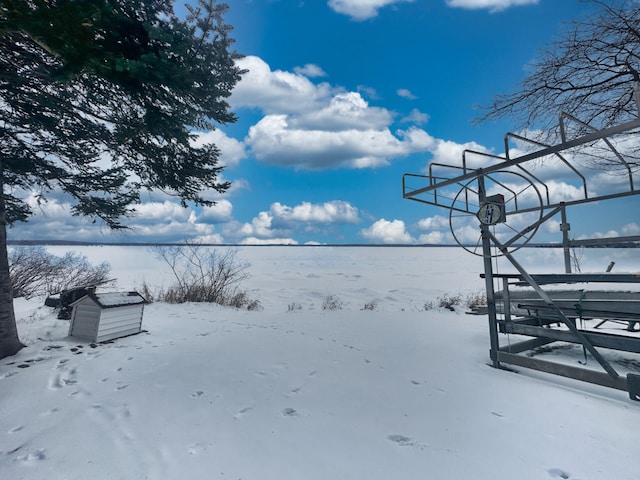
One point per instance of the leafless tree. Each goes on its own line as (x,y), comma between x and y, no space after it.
(590,72)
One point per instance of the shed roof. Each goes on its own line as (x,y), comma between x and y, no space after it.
(115,299)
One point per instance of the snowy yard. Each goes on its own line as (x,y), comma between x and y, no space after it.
(297,392)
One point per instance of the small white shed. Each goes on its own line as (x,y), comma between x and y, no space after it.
(98,317)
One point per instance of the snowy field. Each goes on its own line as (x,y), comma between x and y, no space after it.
(295,392)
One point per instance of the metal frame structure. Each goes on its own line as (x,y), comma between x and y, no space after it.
(473,200)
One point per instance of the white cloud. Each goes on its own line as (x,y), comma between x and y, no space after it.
(218,213)
(268,241)
(607,234)
(406,93)
(631,229)
(468,234)
(432,238)
(213,239)
(282,220)
(434,223)
(417,117)
(369,92)
(277,91)
(259,226)
(450,153)
(491,5)
(387,232)
(319,126)
(310,70)
(274,141)
(361,9)
(344,111)
(154,220)
(329,212)
(231,150)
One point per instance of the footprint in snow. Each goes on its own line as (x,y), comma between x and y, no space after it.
(197,394)
(33,456)
(242,412)
(61,362)
(402,440)
(289,412)
(558,473)
(62,377)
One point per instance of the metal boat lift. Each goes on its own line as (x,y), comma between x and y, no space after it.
(510,197)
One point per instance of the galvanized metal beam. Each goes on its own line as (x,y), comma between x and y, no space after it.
(597,339)
(569,371)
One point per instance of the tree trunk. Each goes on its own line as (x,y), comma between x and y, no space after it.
(9,342)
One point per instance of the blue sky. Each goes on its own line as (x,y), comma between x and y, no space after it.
(341,99)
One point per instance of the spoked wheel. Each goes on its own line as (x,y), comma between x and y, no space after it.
(511,208)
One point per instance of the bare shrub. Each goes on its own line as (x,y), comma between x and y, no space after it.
(428,305)
(242,300)
(449,301)
(34,271)
(332,302)
(372,305)
(205,275)
(475,300)
(146,293)
(294,306)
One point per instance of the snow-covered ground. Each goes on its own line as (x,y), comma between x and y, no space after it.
(297,392)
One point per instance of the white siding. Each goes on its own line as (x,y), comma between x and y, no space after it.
(85,319)
(92,322)
(119,322)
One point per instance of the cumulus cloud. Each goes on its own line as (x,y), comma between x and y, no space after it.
(218,213)
(433,238)
(260,226)
(310,70)
(268,241)
(156,219)
(231,150)
(313,126)
(361,9)
(417,117)
(406,93)
(437,228)
(329,212)
(491,5)
(388,232)
(344,111)
(275,141)
(165,212)
(369,92)
(437,222)
(277,91)
(468,234)
(631,229)
(450,153)
(280,221)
